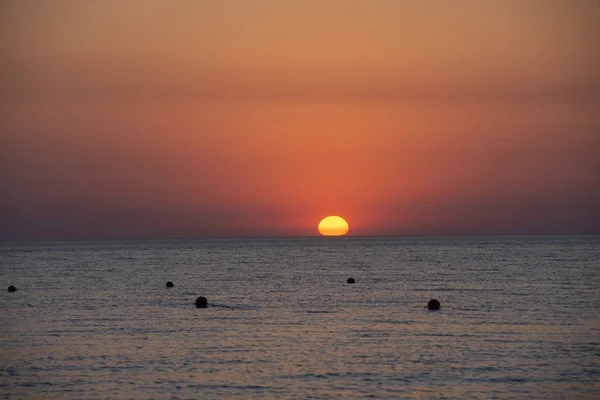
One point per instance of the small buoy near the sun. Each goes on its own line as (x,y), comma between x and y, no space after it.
(433,305)
(350,280)
(11,288)
(201,302)
(169,284)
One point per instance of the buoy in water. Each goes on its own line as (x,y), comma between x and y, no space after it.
(350,280)
(169,284)
(201,302)
(11,288)
(433,305)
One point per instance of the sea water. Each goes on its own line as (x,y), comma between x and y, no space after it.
(520,318)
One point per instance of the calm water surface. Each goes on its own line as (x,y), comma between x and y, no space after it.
(520,318)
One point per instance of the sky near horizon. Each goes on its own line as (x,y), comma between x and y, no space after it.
(156,118)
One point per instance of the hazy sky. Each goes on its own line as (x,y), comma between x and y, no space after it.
(148,118)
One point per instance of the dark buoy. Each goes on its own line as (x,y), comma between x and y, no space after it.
(201,302)
(350,280)
(169,284)
(433,305)
(11,288)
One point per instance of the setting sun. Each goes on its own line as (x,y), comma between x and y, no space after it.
(333,226)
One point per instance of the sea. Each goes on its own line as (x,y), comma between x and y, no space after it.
(520,318)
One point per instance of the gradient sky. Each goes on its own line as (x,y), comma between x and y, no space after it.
(190,118)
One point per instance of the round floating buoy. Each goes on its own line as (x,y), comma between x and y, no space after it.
(201,302)
(433,305)
(350,280)
(11,288)
(169,284)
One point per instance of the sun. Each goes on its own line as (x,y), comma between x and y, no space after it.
(333,226)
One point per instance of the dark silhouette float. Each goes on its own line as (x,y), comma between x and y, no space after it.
(433,305)
(201,302)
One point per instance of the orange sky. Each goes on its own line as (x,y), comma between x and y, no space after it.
(135,119)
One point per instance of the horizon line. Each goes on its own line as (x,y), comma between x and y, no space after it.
(342,237)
